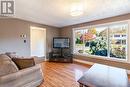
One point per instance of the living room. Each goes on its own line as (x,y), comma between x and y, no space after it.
(64,43)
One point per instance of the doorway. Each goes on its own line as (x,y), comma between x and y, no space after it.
(38,42)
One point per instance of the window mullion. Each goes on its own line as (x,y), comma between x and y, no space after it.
(108,41)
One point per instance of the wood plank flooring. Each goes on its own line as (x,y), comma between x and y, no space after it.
(62,74)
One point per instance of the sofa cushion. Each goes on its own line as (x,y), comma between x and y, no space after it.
(4,57)
(7,67)
(24,63)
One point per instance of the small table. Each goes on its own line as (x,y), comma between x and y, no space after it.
(104,76)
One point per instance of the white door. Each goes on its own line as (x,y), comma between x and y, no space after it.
(38,42)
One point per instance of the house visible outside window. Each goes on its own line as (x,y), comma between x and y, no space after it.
(108,41)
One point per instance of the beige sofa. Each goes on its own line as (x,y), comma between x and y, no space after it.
(11,76)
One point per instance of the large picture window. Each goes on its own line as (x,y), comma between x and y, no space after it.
(107,41)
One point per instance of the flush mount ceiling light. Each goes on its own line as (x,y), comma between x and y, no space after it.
(76,9)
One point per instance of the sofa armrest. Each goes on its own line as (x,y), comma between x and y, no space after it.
(20,74)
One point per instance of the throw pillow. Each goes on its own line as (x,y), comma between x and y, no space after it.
(24,63)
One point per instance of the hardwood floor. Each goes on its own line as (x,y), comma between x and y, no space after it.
(62,74)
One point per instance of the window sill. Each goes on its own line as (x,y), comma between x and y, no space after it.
(103,58)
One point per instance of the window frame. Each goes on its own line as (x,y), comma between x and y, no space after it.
(108,26)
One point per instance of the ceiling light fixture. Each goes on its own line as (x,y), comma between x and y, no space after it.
(76,9)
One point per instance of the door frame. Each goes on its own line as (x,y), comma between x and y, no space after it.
(38,28)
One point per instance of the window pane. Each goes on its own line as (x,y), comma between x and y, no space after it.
(79,44)
(118,38)
(96,41)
